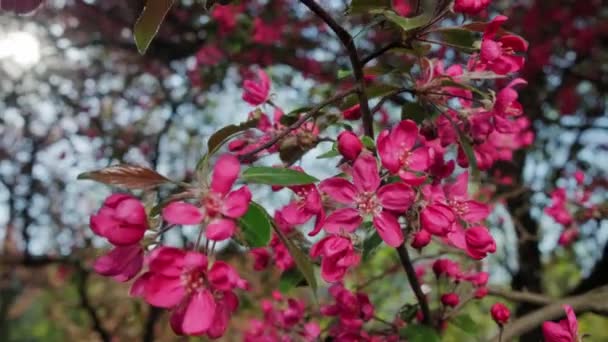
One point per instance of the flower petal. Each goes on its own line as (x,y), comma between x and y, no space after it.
(220,229)
(237,202)
(346,219)
(339,189)
(225,173)
(198,313)
(389,229)
(182,213)
(365,173)
(396,196)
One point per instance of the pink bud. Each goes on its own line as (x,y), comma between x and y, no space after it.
(500,313)
(352,113)
(421,239)
(450,299)
(349,145)
(481,292)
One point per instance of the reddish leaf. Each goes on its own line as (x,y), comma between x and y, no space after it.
(127,176)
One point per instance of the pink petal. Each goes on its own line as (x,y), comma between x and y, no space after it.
(458,189)
(475,212)
(418,160)
(404,135)
(164,292)
(220,229)
(125,235)
(389,154)
(182,213)
(131,211)
(396,196)
(346,219)
(225,173)
(197,313)
(572,322)
(389,229)
(295,214)
(237,202)
(340,190)
(365,173)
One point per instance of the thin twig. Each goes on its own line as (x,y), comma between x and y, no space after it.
(357,65)
(296,124)
(406,262)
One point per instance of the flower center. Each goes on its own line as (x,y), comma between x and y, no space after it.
(368,204)
(459,207)
(213,204)
(193,281)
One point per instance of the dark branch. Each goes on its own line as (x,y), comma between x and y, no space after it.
(414,283)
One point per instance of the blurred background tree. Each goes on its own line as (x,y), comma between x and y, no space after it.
(76,95)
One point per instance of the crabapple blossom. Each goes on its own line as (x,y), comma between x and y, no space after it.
(122,220)
(565,330)
(219,205)
(366,198)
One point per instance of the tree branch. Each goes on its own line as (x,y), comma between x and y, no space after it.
(414,283)
(81,285)
(590,301)
(357,65)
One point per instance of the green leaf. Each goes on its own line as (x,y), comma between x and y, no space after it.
(331,153)
(468,151)
(149,22)
(406,24)
(301,260)
(277,176)
(419,333)
(459,38)
(364,6)
(368,143)
(217,139)
(465,323)
(370,244)
(256,226)
(414,111)
(290,279)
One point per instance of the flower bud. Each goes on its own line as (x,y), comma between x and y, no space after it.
(500,313)
(349,145)
(450,299)
(421,239)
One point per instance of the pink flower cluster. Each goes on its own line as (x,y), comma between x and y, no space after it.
(284,320)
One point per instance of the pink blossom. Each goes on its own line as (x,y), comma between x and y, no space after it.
(121,263)
(565,330)
(282,258)
(209,55)
(479,242)
(500,313)
(499,56)
(226,15)
(398,155)
(478,279)
(447,267)
(480,292)
(558,209)
(219,206)
(266,33)
(122,220)
(256,93)
(306,204)
(353,309)
(337,256)
(470,6)
(366,198)
(201,298)
(450,299)
(448,203)
(349,145)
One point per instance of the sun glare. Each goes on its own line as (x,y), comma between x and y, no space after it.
(22,47)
